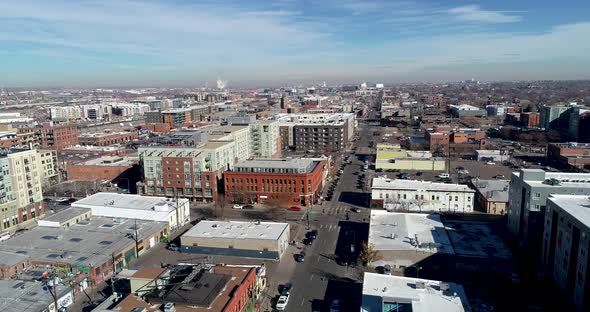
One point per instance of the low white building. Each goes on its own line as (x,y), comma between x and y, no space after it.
(395,293)
(127,206)
(264,240)
(421,196)
(492,155)
(404,239)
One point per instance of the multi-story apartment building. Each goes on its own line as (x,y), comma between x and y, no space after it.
(48,165)
(65,113)
(48,136)
(566,242)
(105,139)
(192,173)
(240,135)
(266,139)
(421,196)
(285,181)
(21,197)
(529,190)
(318,132)
(571,154)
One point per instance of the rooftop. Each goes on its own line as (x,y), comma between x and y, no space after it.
(237,230)
(299,165)
(408,231)
(65,215)
(127,201)
(25,296)
(418,294)
(493,190)
(398,184)
(121,161)
(578,206)
(90,242)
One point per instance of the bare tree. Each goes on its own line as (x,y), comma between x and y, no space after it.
(369,254)
(419,202)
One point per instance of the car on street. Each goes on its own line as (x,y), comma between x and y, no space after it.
(173,247)
(335,306)
(490,163)
(282,302)
(300,257)
(286,289)
(307,241)
(499,176)
(313,234)
(248,207)
(237,206)
(387,269)
(404,175)
(295,208)
(355,209)
(443,176)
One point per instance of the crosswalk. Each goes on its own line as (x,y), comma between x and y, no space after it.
(333,210)
(328,227)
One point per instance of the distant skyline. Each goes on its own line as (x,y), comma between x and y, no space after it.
(185,43)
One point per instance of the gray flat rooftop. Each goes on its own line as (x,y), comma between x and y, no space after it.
(395,231)
(294,163)
(578,206)
(66,214)
(25,296)
(11,258)
(476,239)
(398,184)
(403,290)
(493,190)
(87,242)
(237,230)
(125,201)
(110,161)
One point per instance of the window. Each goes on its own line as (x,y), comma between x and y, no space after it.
(537,195)
(456,198)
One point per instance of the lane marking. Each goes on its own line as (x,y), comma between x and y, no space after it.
(311,277)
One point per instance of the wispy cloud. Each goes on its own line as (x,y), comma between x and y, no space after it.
(474,13)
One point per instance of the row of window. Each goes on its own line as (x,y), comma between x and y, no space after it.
(421,197)
(265,181)
(180,191)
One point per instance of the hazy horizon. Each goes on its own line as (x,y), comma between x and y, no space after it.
(114,43)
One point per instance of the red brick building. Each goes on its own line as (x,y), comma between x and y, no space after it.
(48,136)
(530,120)
(286,182)
(99,169)
(109,138)
(157,127)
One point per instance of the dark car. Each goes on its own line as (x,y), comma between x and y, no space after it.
(313,234)
(286,289)
(404,176)
(307,241)
(247,207)
(300,257)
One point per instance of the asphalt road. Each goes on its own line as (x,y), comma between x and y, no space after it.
(320,279)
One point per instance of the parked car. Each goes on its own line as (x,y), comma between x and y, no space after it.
(286,289)
(300,257)
(295,208)
(248,207)
(404,175)
(173,247)
(335,306)
(307,241)
(282,302)
(499,176)
(387,269)
(443,176)
(490,163)
(355,209)
(237,206)
(313,234)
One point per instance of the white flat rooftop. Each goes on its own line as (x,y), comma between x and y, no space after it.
(398,184)
(397,231)
(578,206)
(126,201)
(237,230)
(404,291)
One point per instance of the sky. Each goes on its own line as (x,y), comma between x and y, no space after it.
(112,43)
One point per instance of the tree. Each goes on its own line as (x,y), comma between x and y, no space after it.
(369,254)
(419,202)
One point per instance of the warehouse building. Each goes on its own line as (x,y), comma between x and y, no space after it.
(264,240)
(404,239)
(91,249)
(392,157)
(27,296)
(421,196)
(566,242)
(395,293)
(175,212)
